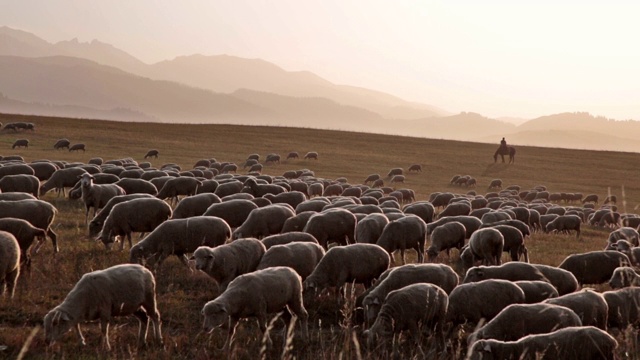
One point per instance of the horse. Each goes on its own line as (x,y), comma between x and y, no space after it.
(502,151)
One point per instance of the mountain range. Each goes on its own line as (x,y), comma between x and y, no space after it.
(97,80)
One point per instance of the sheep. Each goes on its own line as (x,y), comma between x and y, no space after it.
(286,238)
(424,210)
(571,343)
(140,215)
(371,178)
(487,244)
(293,198)
(591,198)
(395,171)
(120,290)
(564,281)
(624,233)
(595,267)
(151,153)
(471,224)
(495,216)
(226,262)
(565,223)
(228,188)
(62,178)
(234,212)
(415,168)
(311,155)
(512,271)
(378,183)
(445,237)
(369,229)
(175,187)
(519,320)
(257,294)
(413,308)
(343,264)
(61,143)
(513,242)
(395,278)
(272,158)
(10,255)
(77,147)
(472,182)
(495,184)
(264,221)
(96,196)
(623,307)
(291,155)
(95,225)
(20,143)
(335,225)
(468,302)
(623,277)
(131,173)
(300,256)
(456,209)
(43,170)
(179,237)
(38,213)
(408,232)
(590,306)
(258,190)
(25,234)
(332,190)
(20,183)
(536,291)
(195,205)
(397,179)
(297,222)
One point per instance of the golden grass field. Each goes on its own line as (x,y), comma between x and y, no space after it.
(182,294)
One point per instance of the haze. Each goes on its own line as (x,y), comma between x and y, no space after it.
(497,58)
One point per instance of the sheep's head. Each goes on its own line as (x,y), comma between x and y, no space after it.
(372,305)
(550,227)
(203,257)
(474,274)
(94,227)
(622,277)
(480,350)
(56,324)
(86,180)
(215,314)
(136,254)
(107,239)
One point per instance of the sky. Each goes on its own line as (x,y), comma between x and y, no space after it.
(498,58)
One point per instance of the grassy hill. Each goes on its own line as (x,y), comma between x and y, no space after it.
(182,294)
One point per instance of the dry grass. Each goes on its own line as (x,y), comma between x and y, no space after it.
(181,295)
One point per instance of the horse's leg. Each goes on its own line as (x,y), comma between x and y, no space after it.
(501,155)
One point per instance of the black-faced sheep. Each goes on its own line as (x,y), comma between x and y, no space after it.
(406,233)
(595,267)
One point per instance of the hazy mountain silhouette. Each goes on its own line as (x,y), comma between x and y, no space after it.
(463,126)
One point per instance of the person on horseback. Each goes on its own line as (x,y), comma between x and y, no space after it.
(503,144)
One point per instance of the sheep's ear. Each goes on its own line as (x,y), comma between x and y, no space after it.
(64,316)
(480,272)
(487,347)
(376,301)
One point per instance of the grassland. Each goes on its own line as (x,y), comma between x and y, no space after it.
(181,294)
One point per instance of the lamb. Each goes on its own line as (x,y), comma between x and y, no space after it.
(96,196)
(264,221)
(10,255)
(565,223)
(564,281)
(623,307)
(590,306)
(407,232)
(234,212)
(311,155)
(335,225)
(445,237)
(286,238)
(536,291)
(468,302)
(257,294)
(226,262)
(195,205)
(343,264)
(413,308)
(369,229)
(456,209)
(20,183)
(95,225)
(415,168)
(77,147)
(103,294)
(595,267)
(38,213)
(571,343)
(140,215)
(62,178)
(519,320)
(20,143)
(512,271)
(623,277)
(62,143)
(487,244)
(175,187)
(395,278)
(300,256)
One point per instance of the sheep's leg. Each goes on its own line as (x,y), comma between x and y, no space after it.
(402,255)
(143,328)
(54,239)
(79,332)
(86,214)
(12,279)
(130,242)
(104,329)
(154,314)
(233,323)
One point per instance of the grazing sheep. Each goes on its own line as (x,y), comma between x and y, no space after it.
(445,237)
(590,306)
(395,171)
(195,205)
(343,264)
(536,291)
(519,320)
(424,210)
(335,225)
(512,271)
(406,233)
(95,225)
(43,170)
(293,198)
(96,196)
(140,215)
(179,237)
(286,238)
(592,198)
(378,183)
(226,262)
(76,147)
(395,278)
(298,222)
(20,143)
(258,190)
(300,256)
(495,216)
(595,267)
(513,242)
(571,343)
(234,212)
(38,213)
(471,224)
(456,209)
(486,245)
(495,184)
(564,281)
(468,302)
(415,168)
(228,188)
(565,223)
(20,183)
(10,255)
(623,277)
(369,229)
(62,143)
(264,221)
(413,308)
(624,233)
(623,307)
(62,178)
(371,178)
(311,155)
(137,186)
(151,153)
(293,155)
(25,233)
(257,294)
(174,187)
(120,290)
(397,179)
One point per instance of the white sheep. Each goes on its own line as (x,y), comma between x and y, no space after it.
(468,302)
(9,262)
(96,196)
(565,223)
(536,291)
(95,225)
(38,213)
(300,256)
(195,205)
(406,233)
(487,244)
(264,221)
(62,178)
(120,290)
(445,237)
(257,294)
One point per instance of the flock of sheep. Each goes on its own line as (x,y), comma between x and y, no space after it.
(278,242)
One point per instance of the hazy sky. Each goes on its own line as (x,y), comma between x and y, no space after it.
(498,58)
